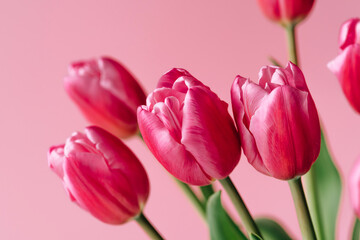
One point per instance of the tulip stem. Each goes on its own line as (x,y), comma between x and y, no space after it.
(302,210)
(207,191)
(148,227)
(200,206)
(291,39)
(240,206)
(356,230)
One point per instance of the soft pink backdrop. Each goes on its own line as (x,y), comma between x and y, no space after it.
(214,40)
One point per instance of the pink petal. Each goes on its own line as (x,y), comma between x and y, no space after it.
(56,159)
(107,196)
(286,131)
(247,140)
(346,67)
(167,80)
(349,33)
(208,132)
(172,155)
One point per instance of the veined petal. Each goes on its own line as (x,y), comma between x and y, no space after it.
(217,152)
(107,197)
(286,131)
(247,140)
(171,154)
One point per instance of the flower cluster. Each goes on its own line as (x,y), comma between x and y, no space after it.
(191,133)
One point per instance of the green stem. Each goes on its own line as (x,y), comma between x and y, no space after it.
(200,206)
(356,230)
(207,191)
(313,197)
(240,207)
(291,39)
(302,210)
(148,227)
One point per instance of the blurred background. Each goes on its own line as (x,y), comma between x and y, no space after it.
(214,40)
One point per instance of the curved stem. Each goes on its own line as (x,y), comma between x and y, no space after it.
(148,227)
(302,210)
(207,191)
(200,206)
(240,206)
(291,39)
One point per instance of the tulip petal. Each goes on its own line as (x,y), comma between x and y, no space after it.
(168,79)
(286,131)
(56,159)
(204,114)
(346,67)
(119,158)
(247,140)
(349,33)
(171,154)
(93,186)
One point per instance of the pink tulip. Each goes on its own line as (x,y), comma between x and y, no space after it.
(286,11)
(277,121)
(354,184)
(101,175)
(189,130)
(346,66)
(107,94)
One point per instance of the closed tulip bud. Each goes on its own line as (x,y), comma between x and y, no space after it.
(354,188)
(189,130)
(107,94)
(277,121)
(101,175)
(346,66)
(286,11)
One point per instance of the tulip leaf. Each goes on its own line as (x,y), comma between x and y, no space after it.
(221,226)
(323,193)
(356,230)
(253,236)
(271,230)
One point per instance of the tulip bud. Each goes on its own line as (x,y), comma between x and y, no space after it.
(346,66)
(354,188)
(107,94)
(277,121)
(189,130)
(285,12)
(101,175)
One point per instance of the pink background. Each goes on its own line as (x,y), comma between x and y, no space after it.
(214,40)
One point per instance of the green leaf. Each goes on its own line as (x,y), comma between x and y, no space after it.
(271,230)
(221,225)
(253,236)
(323,193)
(356,231)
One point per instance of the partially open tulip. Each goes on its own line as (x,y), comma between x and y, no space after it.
(286,11)
(107,94)
(354,187)
(101,175)
(189,130)
(277,121)
(346,66)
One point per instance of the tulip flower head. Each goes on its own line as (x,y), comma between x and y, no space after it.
(277,121)
(354,188)
(101,175)
(107,94)
(189,130)
(286,11)
(346,66)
